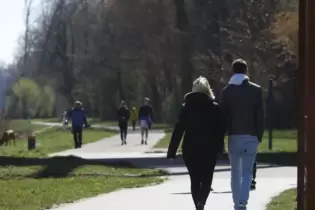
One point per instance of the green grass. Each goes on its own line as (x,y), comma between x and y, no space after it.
(64,180)
(23,126)
(283,141)
(284,201)
(50,119)
(164,142)
(31,181)
(50,141)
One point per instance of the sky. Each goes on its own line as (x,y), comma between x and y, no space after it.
(12,27)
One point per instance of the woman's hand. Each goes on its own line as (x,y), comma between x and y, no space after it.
(170,157)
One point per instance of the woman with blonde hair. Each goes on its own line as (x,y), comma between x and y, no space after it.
(201,123)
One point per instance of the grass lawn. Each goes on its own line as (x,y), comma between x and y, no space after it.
(50,141)
(284,201)
(56,119)
(23,126)
(283,141)
(55,181)
(29,180)
(51,119)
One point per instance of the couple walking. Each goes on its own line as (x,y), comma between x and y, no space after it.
(145,118)
(203,123)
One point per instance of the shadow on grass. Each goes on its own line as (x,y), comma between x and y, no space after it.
(60,167)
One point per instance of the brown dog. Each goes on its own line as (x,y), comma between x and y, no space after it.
(7,136)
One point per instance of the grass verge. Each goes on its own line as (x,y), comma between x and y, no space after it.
(23,126)
(38,184)
(284,201)
(283,141)
(31,181)
(50,141)
(56,120)
(284,151)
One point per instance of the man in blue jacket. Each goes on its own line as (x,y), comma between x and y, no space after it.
(78,118)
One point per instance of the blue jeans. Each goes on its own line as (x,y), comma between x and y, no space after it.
(242,153)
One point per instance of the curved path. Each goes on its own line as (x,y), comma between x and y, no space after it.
(174,193)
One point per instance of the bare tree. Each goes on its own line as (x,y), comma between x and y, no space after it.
(27,45)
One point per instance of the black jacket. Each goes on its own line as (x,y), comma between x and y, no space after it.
(201,122)
(123,114)
(243,107)
(146,112)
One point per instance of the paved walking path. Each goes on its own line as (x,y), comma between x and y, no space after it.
(174,193)
(59,124)
(111,147)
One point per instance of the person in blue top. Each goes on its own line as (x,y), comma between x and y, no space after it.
(78,119)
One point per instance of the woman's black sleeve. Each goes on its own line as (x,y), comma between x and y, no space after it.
(177,134)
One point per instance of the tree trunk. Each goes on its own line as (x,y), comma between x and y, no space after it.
(186,46)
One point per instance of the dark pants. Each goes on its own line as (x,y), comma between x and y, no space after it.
(123,127)
(200,170)
(134,125)
(77,136)
(254,170)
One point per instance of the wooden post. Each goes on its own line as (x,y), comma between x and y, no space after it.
(309,102)
(300,96)
(31,142)
(269,113)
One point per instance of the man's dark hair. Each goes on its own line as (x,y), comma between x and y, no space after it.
(239,66)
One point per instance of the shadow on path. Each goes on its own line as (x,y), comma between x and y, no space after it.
(224,192)
(214,192)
